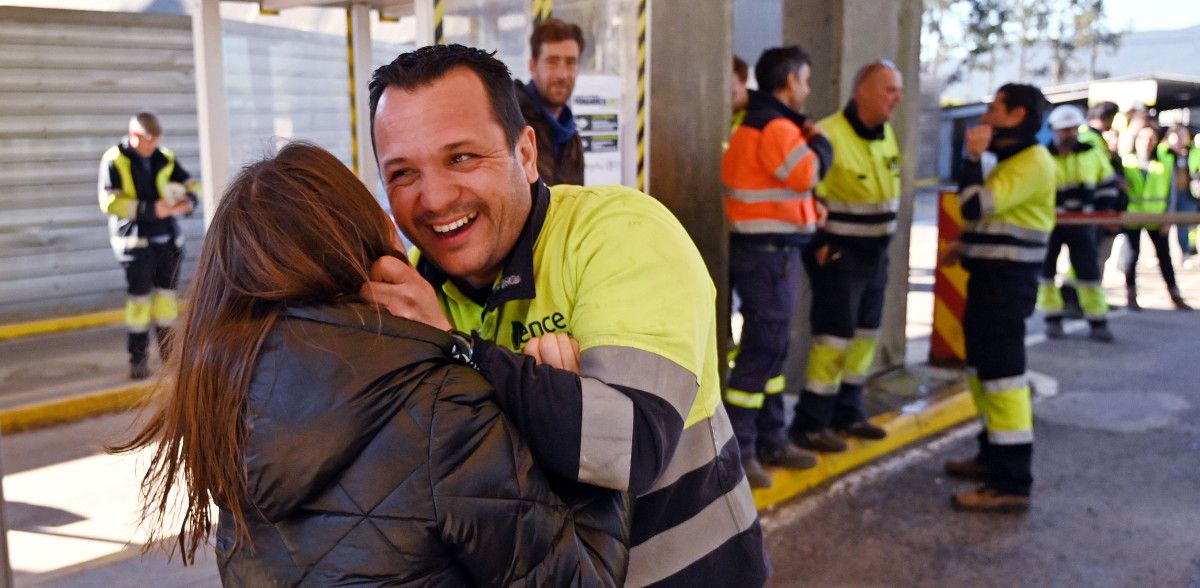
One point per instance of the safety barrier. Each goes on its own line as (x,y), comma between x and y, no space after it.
(946,345)
(947,348)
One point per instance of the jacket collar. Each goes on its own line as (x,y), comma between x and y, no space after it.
(760,100)
(516,282)
(1080,147)
(562,127)
(356,314)
(860,128)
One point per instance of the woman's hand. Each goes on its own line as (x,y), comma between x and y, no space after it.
(398,287)
(557,350)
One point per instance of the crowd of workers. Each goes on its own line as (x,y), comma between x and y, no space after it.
(525,411)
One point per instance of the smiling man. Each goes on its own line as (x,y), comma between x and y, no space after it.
(556,46)
(510,260)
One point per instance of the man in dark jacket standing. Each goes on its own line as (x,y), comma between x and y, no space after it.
(555,46)
(511,260)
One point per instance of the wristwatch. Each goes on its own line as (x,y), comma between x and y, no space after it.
(462,348)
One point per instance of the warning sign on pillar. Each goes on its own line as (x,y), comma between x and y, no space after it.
(597,107)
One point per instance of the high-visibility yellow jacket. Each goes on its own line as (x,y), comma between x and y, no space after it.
(614,268)
(1009,214)
(862,188)
(128,193)
(1084,179)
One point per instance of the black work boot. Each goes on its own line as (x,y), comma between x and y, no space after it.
(824,441)
(139,359)
(756,476)
(789,456)
(1054,328)
(1177,299)
(1101,333)
(863,430)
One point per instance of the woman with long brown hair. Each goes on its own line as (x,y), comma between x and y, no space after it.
(341,444)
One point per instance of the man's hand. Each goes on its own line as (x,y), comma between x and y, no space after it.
(822,212)
(952,253)
(978,139)
(398,287)
(164,209)
(555,350)
(810,130)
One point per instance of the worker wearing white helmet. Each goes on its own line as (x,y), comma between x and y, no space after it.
(1085,182)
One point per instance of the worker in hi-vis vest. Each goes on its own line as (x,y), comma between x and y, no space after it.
(143,188)
(1009,214)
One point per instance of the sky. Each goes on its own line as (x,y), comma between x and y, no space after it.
(1153,15)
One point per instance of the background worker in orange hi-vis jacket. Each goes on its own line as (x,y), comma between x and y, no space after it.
(774,159)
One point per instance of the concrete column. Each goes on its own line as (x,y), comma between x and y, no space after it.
(210,103)
(688,119)
(841,36)
(359,39)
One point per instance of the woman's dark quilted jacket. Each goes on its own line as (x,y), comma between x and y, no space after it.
(372,459)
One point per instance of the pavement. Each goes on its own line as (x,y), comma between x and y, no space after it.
(67,533)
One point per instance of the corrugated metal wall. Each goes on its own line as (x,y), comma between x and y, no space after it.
(69,80)
(68,83)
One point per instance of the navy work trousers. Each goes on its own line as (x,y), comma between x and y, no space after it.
(767,280)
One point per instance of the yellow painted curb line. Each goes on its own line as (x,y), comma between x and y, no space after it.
(66,323)
(67,410)
(947,410)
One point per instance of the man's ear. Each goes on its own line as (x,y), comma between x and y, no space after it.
(527,155)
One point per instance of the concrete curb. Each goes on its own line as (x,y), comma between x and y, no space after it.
(74,408)
(944,410)
(65,323)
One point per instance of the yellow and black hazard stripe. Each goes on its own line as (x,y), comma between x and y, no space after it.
(641,97)
(541,11)
(353,94)
(439,13)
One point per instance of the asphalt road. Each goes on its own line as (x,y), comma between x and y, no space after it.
(1117,484)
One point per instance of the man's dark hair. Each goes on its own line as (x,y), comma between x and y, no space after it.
(740,69)
(776,64)
(148,122)
(1103,111)
(553,31)
(423,67)
(1031,99)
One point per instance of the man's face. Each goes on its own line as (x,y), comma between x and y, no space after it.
(142,143)
(456,189)
(1144,142)
(1000,116)
(554,71)
(878,95)
(1066,139)
(739,96)
(798,83)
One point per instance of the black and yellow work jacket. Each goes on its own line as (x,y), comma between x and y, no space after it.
(862,188)
(1009,214)
(128,191)
(1084,179)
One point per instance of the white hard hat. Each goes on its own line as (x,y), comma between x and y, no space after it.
(1066,117)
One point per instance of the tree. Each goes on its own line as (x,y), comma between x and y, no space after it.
(985,35)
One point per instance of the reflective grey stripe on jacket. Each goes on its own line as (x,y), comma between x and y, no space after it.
(793,158)
(771,226)
(1001,228)
(987,200)
(606,432)
(674,549)
(1004,252)
(768,195)
(847,229)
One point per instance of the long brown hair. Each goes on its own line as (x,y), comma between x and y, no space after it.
(295,229)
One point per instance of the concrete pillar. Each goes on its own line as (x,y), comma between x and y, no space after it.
(210,103)
(688,119)
(359,41)
(840,36)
